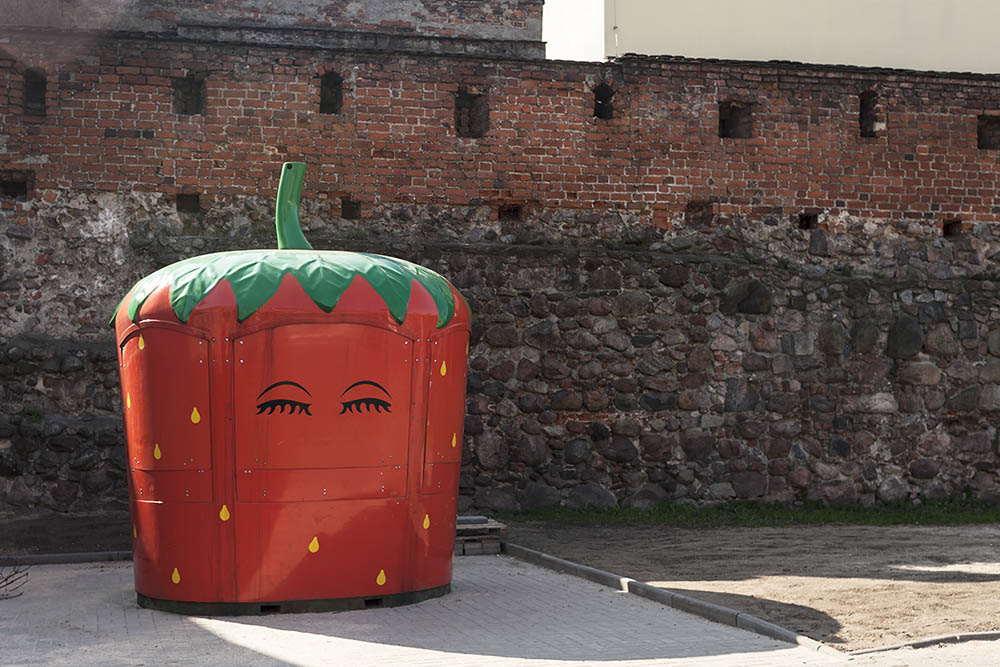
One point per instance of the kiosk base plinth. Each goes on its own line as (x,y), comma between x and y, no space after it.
(289,606)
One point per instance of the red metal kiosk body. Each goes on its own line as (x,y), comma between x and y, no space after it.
(294,426)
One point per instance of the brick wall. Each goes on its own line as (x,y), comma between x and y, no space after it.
(109,126)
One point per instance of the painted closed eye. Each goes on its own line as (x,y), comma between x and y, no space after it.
(365,405)
(279,404)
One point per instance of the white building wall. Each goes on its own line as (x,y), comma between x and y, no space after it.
(941,35)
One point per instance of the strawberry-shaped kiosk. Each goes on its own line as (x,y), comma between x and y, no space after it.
(294,427)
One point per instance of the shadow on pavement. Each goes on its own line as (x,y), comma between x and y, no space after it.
(499,608)
(820,626)
(515,610)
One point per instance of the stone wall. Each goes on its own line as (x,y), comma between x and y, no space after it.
(627,366)
(661,311)
(678,371)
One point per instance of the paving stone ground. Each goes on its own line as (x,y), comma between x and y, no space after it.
(501,612)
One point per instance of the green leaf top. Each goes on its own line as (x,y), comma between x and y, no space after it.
(255,276)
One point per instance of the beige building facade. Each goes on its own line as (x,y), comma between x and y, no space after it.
(939,35)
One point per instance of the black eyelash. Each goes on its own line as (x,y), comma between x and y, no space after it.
(294,407)
(367,403)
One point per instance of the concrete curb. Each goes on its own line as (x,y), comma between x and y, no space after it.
(934,641)
(64,559)
(712,612)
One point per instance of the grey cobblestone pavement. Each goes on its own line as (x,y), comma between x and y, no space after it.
(501,612)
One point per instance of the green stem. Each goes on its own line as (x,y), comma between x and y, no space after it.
(286,212)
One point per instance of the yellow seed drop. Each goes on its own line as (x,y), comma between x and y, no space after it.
(195,416)
(380,579)
(176,576)
(444,368)
(156,451)
(142,343)
(128,400)
(314,545)
(427,521)
(454,439)
(224,513)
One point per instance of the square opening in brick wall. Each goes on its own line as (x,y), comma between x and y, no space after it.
(16,184)
(988,132)
(189,95)
(472,114)
(735,120)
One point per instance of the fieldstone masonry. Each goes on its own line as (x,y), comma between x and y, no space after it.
(627,368)
(666,369)
(662,313)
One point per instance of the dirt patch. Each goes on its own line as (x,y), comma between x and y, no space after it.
(45,532)
(851,587)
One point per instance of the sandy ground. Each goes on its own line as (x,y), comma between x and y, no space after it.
(852,587)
